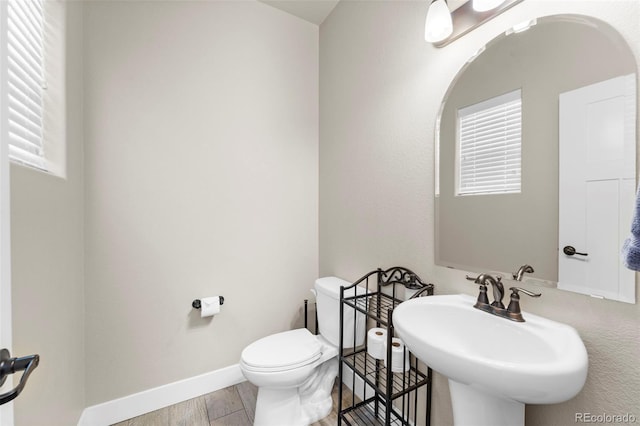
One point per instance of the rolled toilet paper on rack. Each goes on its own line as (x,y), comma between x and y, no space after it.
(210,306)
(377,342)
(399,356)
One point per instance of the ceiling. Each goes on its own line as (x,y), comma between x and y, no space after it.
(316,11)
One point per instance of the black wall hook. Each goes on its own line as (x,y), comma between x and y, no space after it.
(197,304)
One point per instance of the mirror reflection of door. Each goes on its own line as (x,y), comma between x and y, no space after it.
(596,187)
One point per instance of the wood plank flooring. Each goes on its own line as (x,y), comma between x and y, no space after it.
(232,406)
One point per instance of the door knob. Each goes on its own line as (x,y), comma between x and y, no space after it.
(571,250)
(10,365)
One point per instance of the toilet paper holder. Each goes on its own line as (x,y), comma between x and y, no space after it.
(197,304)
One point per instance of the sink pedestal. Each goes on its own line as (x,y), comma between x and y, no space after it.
(472,406)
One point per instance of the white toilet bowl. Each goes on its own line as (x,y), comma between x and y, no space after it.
(294,372)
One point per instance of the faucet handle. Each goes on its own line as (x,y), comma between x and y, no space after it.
(516,290)
(513,311)
(482,302)
(475,279)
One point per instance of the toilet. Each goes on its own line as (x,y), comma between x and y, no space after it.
(295,370)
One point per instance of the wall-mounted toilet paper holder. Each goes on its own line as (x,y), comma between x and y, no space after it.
(197,304)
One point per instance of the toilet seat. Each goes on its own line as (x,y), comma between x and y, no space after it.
(282,351)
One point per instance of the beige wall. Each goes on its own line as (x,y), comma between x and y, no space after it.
(47,267)
(215,191)
(381,86)
(201,132)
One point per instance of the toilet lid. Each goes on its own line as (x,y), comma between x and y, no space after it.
(284,350)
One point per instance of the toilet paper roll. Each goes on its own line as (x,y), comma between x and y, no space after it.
(399,357)
(377,342)
(210,306)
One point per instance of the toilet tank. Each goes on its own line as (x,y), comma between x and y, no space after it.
(328,308)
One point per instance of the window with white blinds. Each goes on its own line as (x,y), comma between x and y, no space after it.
(489,146)
(25,61)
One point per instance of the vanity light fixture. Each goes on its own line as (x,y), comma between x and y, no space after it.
(438,26)
(443,26)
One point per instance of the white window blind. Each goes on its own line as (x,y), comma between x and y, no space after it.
(25,81)
(489,146)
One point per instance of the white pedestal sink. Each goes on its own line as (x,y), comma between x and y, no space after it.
(495,366)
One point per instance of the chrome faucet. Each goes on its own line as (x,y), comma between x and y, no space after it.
(496,284)
(498,292)
(497,307)
(521,271)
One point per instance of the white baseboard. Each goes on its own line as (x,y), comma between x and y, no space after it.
(120,409)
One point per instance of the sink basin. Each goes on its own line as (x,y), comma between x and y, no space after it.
(499,364)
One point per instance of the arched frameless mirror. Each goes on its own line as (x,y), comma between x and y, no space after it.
(503,157)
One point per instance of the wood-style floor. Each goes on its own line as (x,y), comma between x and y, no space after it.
(232,406)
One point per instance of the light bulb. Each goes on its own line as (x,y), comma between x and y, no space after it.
(438,25)
(484,5)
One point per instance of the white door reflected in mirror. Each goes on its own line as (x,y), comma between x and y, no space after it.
(596,187)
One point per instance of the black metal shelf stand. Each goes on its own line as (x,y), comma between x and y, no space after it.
(387,398)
